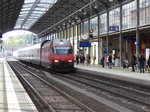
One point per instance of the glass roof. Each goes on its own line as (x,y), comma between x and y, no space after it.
(31,11)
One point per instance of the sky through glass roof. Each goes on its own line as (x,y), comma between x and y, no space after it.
(31,11)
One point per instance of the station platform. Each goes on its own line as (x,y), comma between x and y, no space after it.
(120,73)
(13,97)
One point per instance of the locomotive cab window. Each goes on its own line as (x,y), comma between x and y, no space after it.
(62,50)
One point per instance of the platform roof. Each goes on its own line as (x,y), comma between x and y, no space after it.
(9,12)
(31,11)
(57,14)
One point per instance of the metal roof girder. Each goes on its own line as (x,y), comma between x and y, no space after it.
(31,10)
(70,15)
(74,5)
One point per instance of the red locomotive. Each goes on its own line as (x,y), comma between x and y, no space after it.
(55,54)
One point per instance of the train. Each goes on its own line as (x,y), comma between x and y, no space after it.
(54,54)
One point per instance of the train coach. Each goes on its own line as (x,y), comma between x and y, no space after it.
(54,54)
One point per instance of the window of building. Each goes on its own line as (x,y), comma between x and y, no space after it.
(85,30)
(78,31)
(68,33)
(129,15)
(85,26)
(55,35)
(94,25)
(103,23)
(61,34)
(114,20)
(144,12)
(75,31)
(64,34)
(71,32)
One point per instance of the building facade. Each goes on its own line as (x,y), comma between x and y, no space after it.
(121,30)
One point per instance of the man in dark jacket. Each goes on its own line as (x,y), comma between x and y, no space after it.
(142,63)
(102,61)
(77,59)
(110,61)
(133,62)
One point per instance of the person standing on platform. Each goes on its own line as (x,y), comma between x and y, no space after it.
(102,62)
(133,62)
(142,63)
(114,60)
(94,58)
(125,63)
(88,58)
(148,62)
(77,59)
(110,61)
(82,59)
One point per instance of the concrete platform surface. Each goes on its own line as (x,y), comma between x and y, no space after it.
(13,97)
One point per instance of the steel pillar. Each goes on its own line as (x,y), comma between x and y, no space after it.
(120,37)
(137,29)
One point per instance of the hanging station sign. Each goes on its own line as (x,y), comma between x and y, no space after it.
(113,28)
(84,44)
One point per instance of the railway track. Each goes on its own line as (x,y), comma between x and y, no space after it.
(130,95)
(127,95)
(53,99)
(137,96)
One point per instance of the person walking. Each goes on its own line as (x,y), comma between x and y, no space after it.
(142,63)
(133,62)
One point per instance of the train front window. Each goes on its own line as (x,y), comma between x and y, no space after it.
(62,50)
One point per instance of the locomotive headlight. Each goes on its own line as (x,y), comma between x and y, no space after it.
(69,60)
(56,61)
